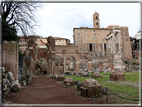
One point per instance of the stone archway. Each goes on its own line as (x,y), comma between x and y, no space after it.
(70,63)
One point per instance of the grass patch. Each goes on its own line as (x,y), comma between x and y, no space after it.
(125,90)
(132,76)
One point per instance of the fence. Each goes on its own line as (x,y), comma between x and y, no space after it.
(108,90)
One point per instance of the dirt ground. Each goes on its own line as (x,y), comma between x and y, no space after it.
(46,90)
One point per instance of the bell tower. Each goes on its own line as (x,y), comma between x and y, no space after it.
(96,20)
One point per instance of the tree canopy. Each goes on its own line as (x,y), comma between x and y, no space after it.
(19,16)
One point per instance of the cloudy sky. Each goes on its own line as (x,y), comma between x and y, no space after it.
(59,19)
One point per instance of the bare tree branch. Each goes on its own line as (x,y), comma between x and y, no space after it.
(20,14)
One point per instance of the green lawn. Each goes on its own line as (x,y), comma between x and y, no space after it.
(127,88)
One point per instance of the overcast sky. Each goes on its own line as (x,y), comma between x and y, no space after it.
(59,19)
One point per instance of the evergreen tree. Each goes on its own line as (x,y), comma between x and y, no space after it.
(9,32)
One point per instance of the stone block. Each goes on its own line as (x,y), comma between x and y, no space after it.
(117,76)
(97,75)
(60,77)
(83,91)
(69,80)
(90,87)
(15,87)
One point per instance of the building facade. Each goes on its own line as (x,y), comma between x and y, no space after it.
(100,42)
(91,39)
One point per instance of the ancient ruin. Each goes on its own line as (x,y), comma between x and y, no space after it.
(90,87)
(117,75)
(60,77)
(97,75)
(70,81)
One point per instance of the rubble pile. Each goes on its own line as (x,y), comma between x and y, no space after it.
(117,75)
(90,87)
(83,74)
(69,80)
(97,75)
(9,84)
(60,77)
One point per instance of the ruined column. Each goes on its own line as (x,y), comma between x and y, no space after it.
(77,66)
(114,49)
(111,46)
(93,47)
(89,66)
(119,43)
(103,47)
(64,64)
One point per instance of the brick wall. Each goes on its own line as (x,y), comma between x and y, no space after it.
(126,44)
(10,57)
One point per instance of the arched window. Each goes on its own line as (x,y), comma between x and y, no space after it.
(96,17)
(90,47)
(96,23)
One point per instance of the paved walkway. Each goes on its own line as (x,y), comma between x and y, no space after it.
(46,90)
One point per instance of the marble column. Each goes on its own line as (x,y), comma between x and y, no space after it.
(114,48)
(111,46)
(103,47)
(119,43)
(93,47)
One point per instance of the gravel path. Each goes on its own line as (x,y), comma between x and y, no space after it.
(46,90)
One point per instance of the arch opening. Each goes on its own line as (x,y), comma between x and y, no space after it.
(70,63)
(58,68)
(42,66)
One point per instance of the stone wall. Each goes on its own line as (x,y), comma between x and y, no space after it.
(126,44)
(10,57)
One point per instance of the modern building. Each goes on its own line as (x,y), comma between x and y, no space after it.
(102,41)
